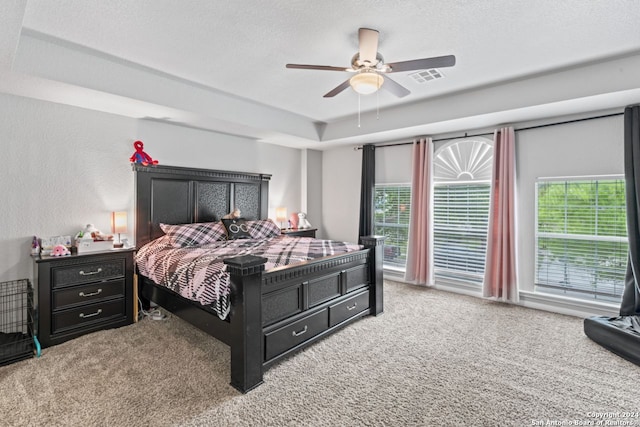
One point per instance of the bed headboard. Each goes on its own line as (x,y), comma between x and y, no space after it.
(179,195)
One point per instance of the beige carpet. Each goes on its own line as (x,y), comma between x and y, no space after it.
(432,359)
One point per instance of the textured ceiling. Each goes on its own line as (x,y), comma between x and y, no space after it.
(238,50)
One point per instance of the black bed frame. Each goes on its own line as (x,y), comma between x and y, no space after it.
(273,313)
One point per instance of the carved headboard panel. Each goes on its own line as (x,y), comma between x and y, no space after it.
(178,195)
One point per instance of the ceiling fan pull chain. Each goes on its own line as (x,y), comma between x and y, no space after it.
(378,103)
(358,110)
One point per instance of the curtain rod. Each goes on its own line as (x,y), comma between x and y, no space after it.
(491,133)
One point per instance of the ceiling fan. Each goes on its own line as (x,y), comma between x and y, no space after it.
(371,72)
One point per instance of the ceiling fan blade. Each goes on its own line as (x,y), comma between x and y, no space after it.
(368,41)
(342,86)
(317,67)
(422,64)
(395,88)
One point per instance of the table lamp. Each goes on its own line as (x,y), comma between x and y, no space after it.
(118,225)
(281,216)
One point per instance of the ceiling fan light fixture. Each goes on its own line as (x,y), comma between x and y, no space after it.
(369,68)
(366,82)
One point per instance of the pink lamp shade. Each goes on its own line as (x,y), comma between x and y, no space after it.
(118,225)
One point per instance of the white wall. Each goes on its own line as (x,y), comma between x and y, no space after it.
(311,189)
(62,167)
(393,165)
(183,146)
(341,193)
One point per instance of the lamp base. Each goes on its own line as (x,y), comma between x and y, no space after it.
(118,245)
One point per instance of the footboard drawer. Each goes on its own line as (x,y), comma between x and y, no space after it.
(289,336)
(348,308)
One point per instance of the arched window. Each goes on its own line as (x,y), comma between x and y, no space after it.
(462,177)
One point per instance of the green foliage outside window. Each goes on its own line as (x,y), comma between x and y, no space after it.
(582,207)
(392,215)
(582,236)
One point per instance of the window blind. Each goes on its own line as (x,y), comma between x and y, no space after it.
(392,215)
(461,216)
(581,236)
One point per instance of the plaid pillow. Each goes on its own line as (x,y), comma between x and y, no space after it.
(263,229)
(194,234)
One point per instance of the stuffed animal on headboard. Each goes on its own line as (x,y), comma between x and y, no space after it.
(140,156)
(232,215)
(302,220)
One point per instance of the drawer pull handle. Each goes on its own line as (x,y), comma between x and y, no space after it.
(84,316)
(297,334)
(98,292)
(353,307)
(82,273)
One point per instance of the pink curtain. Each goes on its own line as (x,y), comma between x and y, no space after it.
(500,276)
(420,249)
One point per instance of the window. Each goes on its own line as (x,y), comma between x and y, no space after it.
(581,237)
(392,214)
(462,175)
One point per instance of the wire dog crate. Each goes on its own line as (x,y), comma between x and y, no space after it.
(17,319)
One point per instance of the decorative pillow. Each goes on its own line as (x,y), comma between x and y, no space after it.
(263,229)
(194,234)
(237,228)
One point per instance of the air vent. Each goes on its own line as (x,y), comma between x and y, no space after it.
(427,75)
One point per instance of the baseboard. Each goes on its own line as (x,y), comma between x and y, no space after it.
(568,306)
(454,287)
(537,301)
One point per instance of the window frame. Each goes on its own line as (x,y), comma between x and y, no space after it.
(574,292)
(449,275)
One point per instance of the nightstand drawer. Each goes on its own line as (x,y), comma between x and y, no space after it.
(86,294)
(88,272)
(87,314)
(287,337)
(348,308)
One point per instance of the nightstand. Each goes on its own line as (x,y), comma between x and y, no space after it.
(78,294)
(300,232)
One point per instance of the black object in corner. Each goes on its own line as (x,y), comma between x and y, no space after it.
(617,334)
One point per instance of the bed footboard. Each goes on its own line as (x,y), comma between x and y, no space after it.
(375,244)
(315,299)
(246,321)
